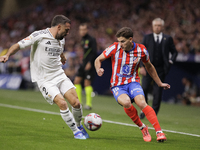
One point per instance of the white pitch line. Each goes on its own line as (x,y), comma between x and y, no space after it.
(126,124)
(108,121)
(29,109)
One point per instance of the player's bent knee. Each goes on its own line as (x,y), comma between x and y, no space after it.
(76,104)
(126,103)
(62,104)
(142,104)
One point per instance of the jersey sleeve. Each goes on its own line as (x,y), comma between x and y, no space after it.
(145,54)
(28,41)
(108,52)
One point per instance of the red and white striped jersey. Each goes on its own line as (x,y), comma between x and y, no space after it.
(125,64)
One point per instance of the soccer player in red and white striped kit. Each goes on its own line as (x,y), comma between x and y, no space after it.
(125,83)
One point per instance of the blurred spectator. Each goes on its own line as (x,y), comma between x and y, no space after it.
(182,19)
(3,66)
(70,69)
(13,63)
(71,65)
(25,72)
(189,95)
(182,22)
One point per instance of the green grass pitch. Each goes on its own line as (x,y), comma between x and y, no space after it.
(22,128)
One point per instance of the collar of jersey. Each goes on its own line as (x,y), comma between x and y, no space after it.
(132,48)
(50,32)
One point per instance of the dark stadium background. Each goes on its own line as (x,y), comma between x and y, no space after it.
(188,17)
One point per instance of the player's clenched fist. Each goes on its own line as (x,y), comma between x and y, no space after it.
(3,58)
(100,72)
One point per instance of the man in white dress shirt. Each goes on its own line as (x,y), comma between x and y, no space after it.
(46,61)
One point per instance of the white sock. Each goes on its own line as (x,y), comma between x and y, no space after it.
(159,132)
(77,113)
(143,125)
(69,119)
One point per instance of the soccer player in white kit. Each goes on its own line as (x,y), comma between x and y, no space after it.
(46,61)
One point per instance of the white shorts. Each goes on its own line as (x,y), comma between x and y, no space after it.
(50,89)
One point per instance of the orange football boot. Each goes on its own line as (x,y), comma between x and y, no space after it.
(146,135)
(161,137)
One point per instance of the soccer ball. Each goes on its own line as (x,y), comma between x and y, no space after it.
(93,121)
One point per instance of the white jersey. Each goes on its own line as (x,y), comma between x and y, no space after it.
(45,61)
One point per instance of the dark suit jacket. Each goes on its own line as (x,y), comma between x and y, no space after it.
(167,47)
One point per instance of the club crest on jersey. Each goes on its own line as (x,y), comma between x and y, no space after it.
(28,38)
(135,60)
(49,96)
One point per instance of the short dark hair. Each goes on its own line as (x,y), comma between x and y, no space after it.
(84,24)
(60,19)
(124,32)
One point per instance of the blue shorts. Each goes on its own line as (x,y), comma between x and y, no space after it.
(132,89)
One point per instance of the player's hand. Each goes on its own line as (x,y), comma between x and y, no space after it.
(3,58)
(165,86)
(100,72)
(63,60)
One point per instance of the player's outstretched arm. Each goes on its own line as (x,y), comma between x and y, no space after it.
(12,50)
(152,72)
(97,64)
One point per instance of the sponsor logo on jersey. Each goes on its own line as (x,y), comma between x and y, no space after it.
(126,69)
(48,43)
(35,34)
(124,75)
(53,51)
(137,89)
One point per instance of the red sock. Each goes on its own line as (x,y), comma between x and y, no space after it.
(132,113)
(151,116)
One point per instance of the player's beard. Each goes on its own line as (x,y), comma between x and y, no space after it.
(124,48)
(59,37)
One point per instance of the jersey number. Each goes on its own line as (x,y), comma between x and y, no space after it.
(115,89)
(45,91)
